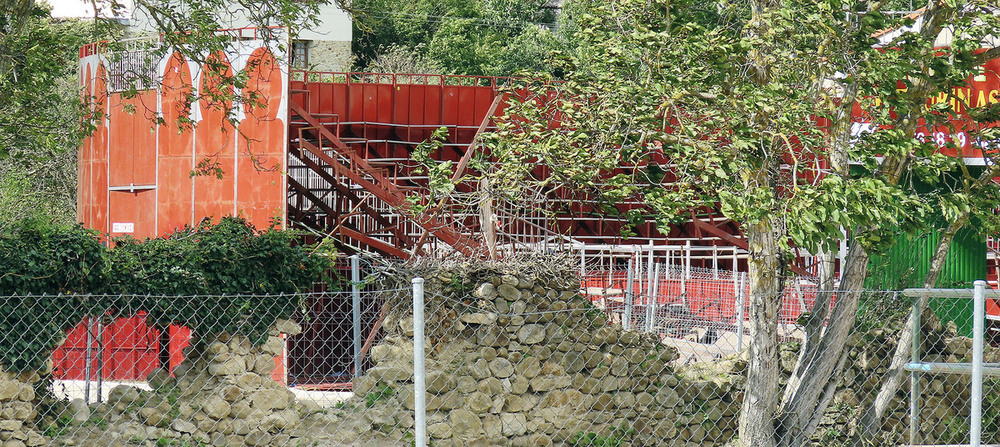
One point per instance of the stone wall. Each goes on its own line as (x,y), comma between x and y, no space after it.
(17,409)
(514,359)
(326,55)
(526,361)
(221,394)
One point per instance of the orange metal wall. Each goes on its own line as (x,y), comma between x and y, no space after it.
(135,171)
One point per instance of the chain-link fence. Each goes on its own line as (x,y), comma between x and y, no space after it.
(510,359)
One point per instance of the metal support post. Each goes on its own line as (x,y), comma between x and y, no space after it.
(715,262)
(978,315)
(687,260)
(628,297)
(100,360)
(87,366)
(419,386)
(356,312)
(651,300)
(914,375)
(740,304)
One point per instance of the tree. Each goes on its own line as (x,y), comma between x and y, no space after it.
(39,113)
(469,37)
(748,108)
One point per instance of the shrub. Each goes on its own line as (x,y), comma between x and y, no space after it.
(51,276)
(184,274)
(43,258)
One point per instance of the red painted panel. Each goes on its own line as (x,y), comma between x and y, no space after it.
(260,179)
(412,104)
(131,349)
(401,112)
(432,104)
(84,189)
(176,148)
(137,208)
(122,126)
(180,338)
(336,94)
(99,211)
(133,146)
(128,351)
(70,358)
(384,95)
(215,148)
(99,156)
(450,107)
(144,139)
(174,190)
(355,99)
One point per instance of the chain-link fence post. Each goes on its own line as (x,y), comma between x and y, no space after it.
(914,375)
(978,315)
(419,386)
(740,279)
(629,298)
(89,358)
(356,311)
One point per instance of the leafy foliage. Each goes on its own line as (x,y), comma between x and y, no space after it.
(471,37)
(39,113)
(39,104)
(263,269)
(45,259)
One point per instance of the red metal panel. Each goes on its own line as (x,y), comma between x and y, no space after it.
(401,112)
(451,108)
(180,338)
(383,113)
(174,192)
(355,112)
(261,186)
(338,102)
(99,154)
(469,115)
(133,147)
(429,107)
(84,177)
(174,182)
(135,208)
(130,349)
(70,359)
(144,139)
(120,137)
(215,147)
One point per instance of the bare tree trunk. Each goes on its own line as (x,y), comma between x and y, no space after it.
(803,405)
(813,325)
(767,265)
(871,421)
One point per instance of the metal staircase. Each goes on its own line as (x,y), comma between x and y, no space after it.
(363,206)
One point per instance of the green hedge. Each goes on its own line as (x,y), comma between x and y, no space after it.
(177,279)
(39,258)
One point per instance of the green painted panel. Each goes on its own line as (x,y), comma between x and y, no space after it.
(907,262)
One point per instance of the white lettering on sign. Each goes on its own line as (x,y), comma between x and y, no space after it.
(123,227)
